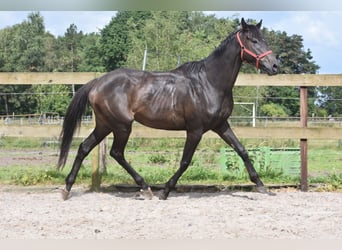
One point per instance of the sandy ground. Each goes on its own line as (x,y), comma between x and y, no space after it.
(40,213)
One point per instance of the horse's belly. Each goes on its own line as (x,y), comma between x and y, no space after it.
(168,121)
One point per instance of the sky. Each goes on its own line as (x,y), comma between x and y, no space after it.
(320,29)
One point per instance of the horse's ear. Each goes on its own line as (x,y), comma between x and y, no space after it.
(244,25)
(259,24)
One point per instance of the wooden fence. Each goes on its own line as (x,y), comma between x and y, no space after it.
(302,132)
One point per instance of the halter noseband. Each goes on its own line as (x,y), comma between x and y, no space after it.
(257,57)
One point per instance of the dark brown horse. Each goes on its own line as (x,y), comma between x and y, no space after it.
(196,97)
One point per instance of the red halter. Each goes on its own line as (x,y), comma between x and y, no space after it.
(257,57)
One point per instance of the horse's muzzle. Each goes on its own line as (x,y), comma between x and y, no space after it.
(274,69)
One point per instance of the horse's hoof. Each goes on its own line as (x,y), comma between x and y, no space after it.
(148,193)
(65,194)
(263,190)
(144,194)
(162,195)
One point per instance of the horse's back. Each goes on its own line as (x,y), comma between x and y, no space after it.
(156,99)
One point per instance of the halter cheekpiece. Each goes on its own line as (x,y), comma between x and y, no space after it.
(244,50)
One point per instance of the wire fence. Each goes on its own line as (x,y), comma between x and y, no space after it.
(48,118)
(235,121)
(245,114)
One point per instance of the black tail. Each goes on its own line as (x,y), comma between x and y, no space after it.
(72,121)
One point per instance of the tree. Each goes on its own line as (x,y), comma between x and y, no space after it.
(23,45)
(115,40)
(69,49)
(33,51)
(51,58)
(15,99)
(8,50)
(51,98)
(330,99)
(273,110)
(175,37)
(162,38)
(91,54)
(293,59)
(22,48)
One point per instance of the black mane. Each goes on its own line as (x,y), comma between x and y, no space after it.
(193,66)
(220,49)
(197,66)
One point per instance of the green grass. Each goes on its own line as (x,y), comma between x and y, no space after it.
(158,159)
(323,161)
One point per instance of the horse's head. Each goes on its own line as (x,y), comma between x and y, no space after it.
(254,48)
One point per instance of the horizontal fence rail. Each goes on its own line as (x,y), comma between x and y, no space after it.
(140,131)
(242,80)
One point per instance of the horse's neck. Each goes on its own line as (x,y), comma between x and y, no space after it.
(222,69)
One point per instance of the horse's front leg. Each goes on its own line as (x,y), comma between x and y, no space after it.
(227,134)
(192,140)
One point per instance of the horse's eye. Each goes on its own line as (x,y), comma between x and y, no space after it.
(254,40)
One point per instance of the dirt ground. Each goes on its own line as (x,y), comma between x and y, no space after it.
(27,158)
(40,213)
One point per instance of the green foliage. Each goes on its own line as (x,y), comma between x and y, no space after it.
(158,159)
(293,58)
(332,182)
(201,174)
(327,100)
(91,54)
(69,49)
(54,98)
(13,102)
(31,177)
(288,98)
(22,47)
(335,181)
(165,34)
(272,110)
(115,41)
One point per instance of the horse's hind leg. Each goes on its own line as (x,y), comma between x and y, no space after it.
(84,149)
(117,152)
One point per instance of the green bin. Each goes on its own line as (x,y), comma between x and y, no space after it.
(286,160)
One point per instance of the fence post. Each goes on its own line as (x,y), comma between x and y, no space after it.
(98,165)
(95,170)
(95,174)
(304,141)
(103,156)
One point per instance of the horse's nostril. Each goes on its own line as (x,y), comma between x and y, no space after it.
(275,67)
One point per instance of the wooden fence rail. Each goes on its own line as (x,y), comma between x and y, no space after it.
(302,132)
(139,131)
(242,80)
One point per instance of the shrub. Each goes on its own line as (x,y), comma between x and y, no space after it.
(273,110)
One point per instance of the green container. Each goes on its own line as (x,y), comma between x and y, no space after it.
(286,160)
